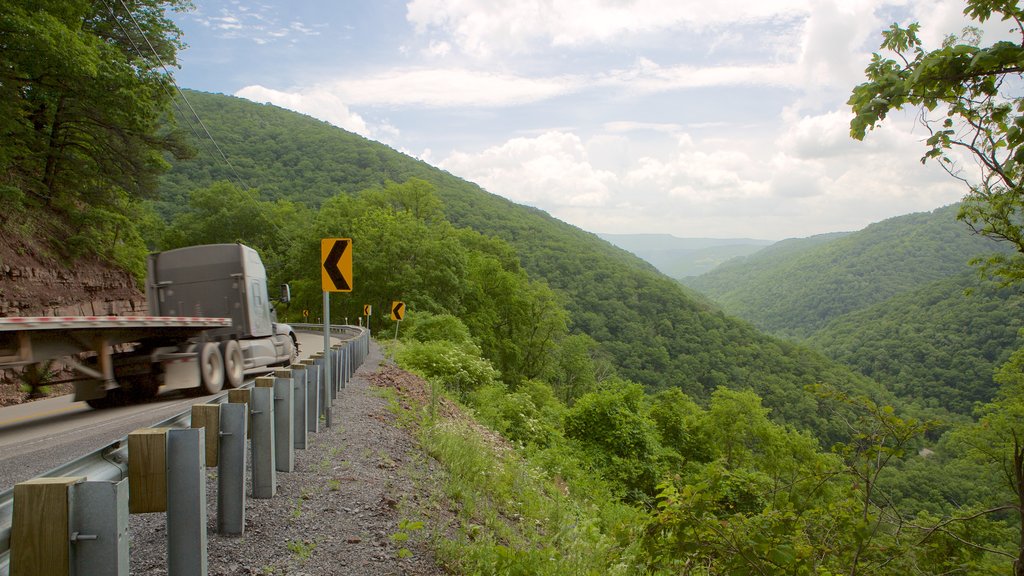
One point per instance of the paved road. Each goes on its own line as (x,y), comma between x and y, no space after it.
(39,436)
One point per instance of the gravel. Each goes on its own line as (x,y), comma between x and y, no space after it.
(337,513)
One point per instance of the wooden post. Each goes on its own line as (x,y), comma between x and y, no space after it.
(147,470)
(208,416)
(40,530)
(243,396)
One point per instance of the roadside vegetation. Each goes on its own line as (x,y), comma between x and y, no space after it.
(642,430)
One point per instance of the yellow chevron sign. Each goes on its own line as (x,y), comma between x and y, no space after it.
(336,271)
(397,310)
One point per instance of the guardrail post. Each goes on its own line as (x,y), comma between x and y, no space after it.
(186,502)
(342,369)
(284,416)
(207,416)
(99,528)
(41,526)
(301,405)
(348,364)
(312,396)
(231,476)
(324,387)
(147,470)
(264,476)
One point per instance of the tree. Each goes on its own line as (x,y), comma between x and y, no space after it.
(996,442)
(970,104)
(83,94)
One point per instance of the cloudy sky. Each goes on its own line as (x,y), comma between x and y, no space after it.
(686,117)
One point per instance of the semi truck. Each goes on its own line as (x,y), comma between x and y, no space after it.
(210,319)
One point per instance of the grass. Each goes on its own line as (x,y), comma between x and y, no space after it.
(512,517)
(302,550)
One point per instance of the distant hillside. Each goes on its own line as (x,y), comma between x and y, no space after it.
(793,289)
(682,257)
(935,344)
(654,331)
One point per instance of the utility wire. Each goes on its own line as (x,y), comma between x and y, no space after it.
(241,183)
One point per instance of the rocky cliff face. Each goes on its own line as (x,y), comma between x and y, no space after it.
(35,284)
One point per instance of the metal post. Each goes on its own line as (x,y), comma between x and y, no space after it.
(264,476)
(336,368)
(312,396)
(186,502)
(284,418)
(231,476)
(99,524)
(327,350)
(300,405)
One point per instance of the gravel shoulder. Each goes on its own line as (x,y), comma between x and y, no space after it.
(338,513)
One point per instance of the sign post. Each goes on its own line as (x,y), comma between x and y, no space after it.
(368,311)
(336,276)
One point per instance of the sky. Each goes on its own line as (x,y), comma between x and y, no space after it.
(683,117)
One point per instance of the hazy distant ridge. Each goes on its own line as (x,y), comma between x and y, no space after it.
(681,257)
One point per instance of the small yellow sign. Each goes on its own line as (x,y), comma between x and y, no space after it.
(336,268)
(367,310)
(397,310)
(305,313)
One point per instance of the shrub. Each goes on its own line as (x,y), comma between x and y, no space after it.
(458,368)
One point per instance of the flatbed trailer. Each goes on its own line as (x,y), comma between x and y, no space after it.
(116,358)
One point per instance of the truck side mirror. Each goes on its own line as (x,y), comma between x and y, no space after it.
(286,294)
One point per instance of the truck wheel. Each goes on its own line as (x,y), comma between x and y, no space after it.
(234,364)
(211,368)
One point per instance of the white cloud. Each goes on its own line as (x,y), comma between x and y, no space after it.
(646,76)
(482,28)
(824,135)
(807,179)
(259,24)
(551,171)
(451,87)
(319,104)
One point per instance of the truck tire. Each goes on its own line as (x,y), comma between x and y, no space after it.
(234,363)
(211,368)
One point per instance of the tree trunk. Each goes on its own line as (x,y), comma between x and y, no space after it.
(1018,477)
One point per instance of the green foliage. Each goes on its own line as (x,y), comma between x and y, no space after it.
(82,110)
(81,100)
(514,520)
(679,423)
(515,416)
(619,438)
(969,104)
(572,370)
(35,377)
(936,346)
(430,327)
(797,289)
(459,369)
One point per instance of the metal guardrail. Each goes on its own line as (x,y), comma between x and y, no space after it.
(110,463)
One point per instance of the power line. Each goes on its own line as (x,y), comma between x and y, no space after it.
(241,183)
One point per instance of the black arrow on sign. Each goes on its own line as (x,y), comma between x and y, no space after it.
(331,265)
(398,310)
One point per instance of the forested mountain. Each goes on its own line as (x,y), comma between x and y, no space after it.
(648,326)
(794,289)
(897,301)
(682,257)
(938,344)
